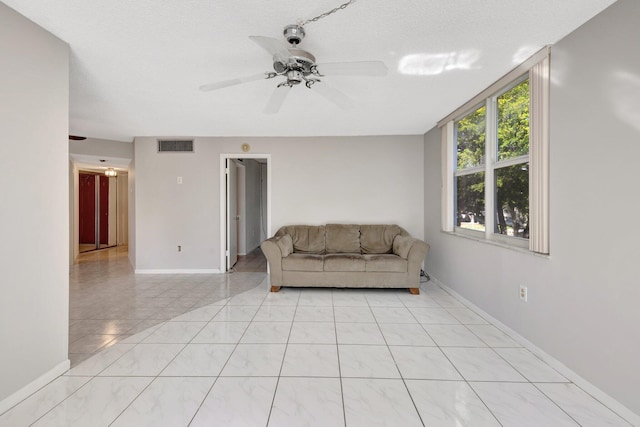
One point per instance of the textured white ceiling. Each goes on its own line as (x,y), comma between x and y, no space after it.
(136,65)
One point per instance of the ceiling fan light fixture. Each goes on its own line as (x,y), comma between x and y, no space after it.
(294,77)
(279,66)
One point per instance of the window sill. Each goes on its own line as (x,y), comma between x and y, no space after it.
(496,243)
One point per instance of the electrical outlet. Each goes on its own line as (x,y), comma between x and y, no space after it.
(523,293)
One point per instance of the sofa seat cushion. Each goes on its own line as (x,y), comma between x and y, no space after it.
(378,239)
(343,238)
(344,262)
(385,263)
(303,262)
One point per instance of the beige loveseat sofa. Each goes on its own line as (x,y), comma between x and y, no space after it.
(344,255)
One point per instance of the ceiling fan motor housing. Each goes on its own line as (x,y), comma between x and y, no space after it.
(304,59)
(294,34)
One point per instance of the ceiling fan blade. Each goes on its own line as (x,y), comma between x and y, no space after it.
(275,47)
(277,99)
(361,68)
(232,82)
(333,95)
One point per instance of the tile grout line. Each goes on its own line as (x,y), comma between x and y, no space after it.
(161,370)
(467,382)
(149,317)
(528,381)
(456,368)
(569,382)
(58,404)
(91,378)
(511,382)
(394,360)
(379,326)
(228,358)
(141,343)
(558,405)
(284,355)
(335,328)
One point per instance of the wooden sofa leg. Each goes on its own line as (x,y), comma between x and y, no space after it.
(414,291)
(275,288)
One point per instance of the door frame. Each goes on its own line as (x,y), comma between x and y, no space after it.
(99,195)
(232,214)
(223,199)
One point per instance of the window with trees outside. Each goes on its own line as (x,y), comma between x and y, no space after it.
(495,161)
(506,155)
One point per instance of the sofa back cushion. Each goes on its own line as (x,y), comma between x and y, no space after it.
(343,238)
(308,239)
(285,244)
(378,239)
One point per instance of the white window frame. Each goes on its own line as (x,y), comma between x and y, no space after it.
(536,69)
(469,171)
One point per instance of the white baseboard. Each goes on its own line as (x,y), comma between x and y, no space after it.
(585,385)
(178,271)
(34,386)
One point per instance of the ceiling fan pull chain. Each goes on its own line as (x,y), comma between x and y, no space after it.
(324,15)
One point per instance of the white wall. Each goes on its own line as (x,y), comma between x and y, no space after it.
(74,226)
(314,180)
(113,211)
(102,147)
(34,308)
(131,205)
(583,299)
(123,207)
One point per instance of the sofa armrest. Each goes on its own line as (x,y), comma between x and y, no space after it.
(413,250)
(402,245)
(274,250)
(416,256)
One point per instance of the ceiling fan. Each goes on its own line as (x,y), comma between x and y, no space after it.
(299,66)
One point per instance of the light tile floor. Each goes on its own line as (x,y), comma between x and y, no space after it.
(108,303)
(315,357)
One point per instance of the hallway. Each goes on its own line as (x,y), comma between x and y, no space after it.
(254,262)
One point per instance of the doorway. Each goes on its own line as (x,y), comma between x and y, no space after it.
(245,207)
(97,211)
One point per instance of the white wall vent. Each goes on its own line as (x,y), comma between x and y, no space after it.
(175,146)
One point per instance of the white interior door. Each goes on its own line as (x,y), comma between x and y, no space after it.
(232,214)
